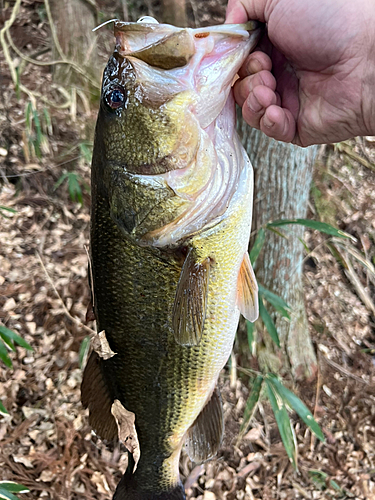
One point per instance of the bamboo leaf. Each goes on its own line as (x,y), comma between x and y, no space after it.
(278,303)
(4,356)
(8,209)
(13,487)
(250,327)
(283,423)
(5,334)
(268,323)
(83,350)
(60,180)
(86,152)
(251,405)
(323,227)
(3,410)
(258,245)
(297,405)
(279,233)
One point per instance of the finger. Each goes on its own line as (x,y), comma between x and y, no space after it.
(254,63)
(240,11)
(242,88)
(278,123)
(254,107)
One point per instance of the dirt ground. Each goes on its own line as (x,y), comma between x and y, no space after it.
(46,442)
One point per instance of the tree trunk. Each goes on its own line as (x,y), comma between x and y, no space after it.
(283,174)
(174,12)
(73,22)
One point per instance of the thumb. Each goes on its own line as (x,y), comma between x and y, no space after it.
(241,11)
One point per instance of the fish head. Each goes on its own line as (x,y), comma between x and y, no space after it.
(163,87)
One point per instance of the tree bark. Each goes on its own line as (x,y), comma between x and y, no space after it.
(283,174)
(174,12)
(73,22)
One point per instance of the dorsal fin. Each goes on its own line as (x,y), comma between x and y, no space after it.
(95,396)
(247,291)
(189,308)
(205,435)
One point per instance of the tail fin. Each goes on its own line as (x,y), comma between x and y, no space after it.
(129,489)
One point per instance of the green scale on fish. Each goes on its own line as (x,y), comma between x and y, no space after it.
(172,192)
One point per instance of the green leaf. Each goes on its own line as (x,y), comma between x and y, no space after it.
(278,303)
(86,152)
(279,233)
(8,209)
(28,116)
(60,180)
(323,227)
(7,487)
(4,356)
(283,423)
(75,191)
(250,327)
(47,119)
(13,487)
(3,410)
(297,405)
(258,245)
(5,334)
(268,323)
(83,350)
(251,405)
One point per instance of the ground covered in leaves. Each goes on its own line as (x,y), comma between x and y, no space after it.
(46,443)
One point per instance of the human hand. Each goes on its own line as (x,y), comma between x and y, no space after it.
(313,81)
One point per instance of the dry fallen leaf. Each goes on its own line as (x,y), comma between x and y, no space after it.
(101,347)
(126,429)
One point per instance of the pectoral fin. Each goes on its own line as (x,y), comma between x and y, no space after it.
(95,396)
(247,291)
(205,435)
(189,309)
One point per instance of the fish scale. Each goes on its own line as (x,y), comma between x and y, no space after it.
(168,283)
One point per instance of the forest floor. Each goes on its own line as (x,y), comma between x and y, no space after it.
(45,441)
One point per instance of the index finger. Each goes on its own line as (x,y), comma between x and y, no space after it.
(240,11)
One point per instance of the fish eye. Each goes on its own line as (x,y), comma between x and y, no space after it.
(115,97)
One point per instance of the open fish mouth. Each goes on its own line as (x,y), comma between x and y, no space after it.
(167,47)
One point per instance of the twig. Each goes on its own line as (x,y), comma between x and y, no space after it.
(75,320)
(344,371)
(317,396)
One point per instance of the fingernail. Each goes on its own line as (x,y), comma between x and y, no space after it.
(253,103)
(267,122)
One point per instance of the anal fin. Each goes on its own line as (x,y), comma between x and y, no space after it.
(95,396)
(189,309)
(205,435)
(247,291)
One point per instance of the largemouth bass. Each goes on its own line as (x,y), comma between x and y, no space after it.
(170,225)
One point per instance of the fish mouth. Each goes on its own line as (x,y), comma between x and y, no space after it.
(168,47)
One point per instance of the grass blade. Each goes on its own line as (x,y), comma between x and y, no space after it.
(268,323)
(283,423)
(323,227)
(251,405)
(297,405)
(258,245)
